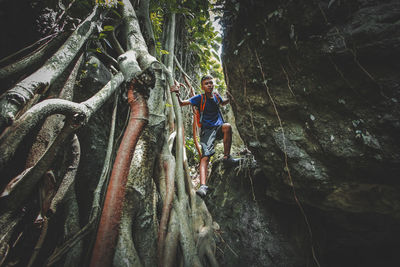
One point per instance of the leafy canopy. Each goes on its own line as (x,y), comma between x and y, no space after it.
(202,42)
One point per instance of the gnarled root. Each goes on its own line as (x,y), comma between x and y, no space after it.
(167,187)
(104,248)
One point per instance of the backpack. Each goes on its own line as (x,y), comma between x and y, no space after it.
(199,113)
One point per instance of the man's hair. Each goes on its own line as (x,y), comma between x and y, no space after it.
(206,77)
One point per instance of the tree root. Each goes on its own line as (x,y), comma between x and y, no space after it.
(37,83)
(39,243)
(185,230)
(69,177)
(97,202)
(126,253)
(138,227)
(21,186)
(144,18)
(71,224)
(36,46)
(167,165)
(36,57)
(80,114)
(47,191)
(103,251)
(45,136)
(171,241)
(10,221)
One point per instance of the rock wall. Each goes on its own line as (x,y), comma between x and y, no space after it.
(317,83)
(255,230)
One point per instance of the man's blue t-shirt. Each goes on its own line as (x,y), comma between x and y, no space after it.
(211,113)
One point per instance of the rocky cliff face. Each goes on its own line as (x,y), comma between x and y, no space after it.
(317,83)
(254,229)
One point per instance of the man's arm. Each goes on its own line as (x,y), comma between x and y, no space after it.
(224,101)
(184,102)
(175,89)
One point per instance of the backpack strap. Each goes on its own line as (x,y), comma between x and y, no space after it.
(219,101)
(218,97)
(202,105)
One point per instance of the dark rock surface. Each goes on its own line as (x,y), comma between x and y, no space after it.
(327,71)
(255,230)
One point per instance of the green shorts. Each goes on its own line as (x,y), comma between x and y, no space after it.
(207,139)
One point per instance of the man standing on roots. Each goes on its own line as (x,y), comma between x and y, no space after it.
(213,126)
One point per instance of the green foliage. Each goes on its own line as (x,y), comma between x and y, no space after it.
(156,17)
(204,44)
(202,41)
(108,28)
(191,149)
(108,3)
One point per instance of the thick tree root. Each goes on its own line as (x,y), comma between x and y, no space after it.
(22,93)
(104,248)
(35,58)
(171,242)
(185,230)
(70,203)
(11,221)
(69,178)
(39,243)
(46,135)
(74,241)
(167,187)
(12,137)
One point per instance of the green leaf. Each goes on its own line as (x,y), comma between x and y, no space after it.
(165,52)
(116,13)
(108,28)
(98,50)
(215,46)
(168,105)
(102,35)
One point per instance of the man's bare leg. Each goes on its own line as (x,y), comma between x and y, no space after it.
(203,169)
(227,131)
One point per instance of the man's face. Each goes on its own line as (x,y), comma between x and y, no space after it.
(207,85)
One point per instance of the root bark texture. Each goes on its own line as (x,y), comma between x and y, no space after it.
(103,251)
(151,214)
(167,166)
(22,93)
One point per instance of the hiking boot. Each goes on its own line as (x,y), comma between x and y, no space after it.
(229,161)
(202,191)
